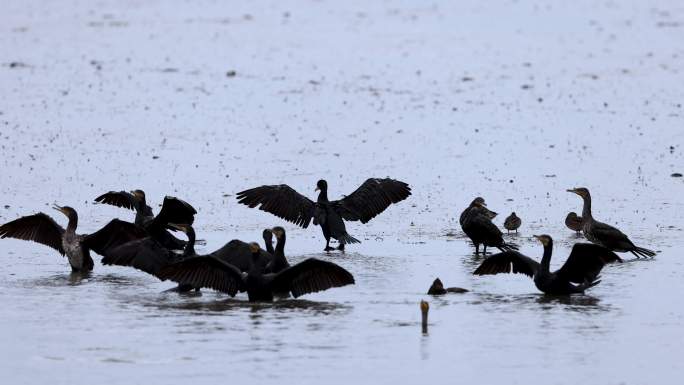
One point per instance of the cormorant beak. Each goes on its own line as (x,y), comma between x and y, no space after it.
(277,233)
(317,189)
(572,191)
(178,227)
(58,208)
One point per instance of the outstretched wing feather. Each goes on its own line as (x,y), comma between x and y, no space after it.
(508,262)
(280,200)
(39,228)
(371,199)
(311,275)
(204,271)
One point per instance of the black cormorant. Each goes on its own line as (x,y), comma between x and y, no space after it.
(513,222)
(477,202)
(579,272)
(43,229)
(308,276)
(574,222)
(604,234)
(369,200)
(173,210)
(481,231)
(437,288)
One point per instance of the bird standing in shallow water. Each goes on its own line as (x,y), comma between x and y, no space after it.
(43,229)
(512,223)
(481,231)
(580,271)
(364,204)
(477,202)
(574,222)
(604,234)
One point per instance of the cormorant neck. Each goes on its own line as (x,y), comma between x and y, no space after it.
(323,195)
(546,259)
(269,246)
(190,246)
(73,223)
(279,260)
(586,208)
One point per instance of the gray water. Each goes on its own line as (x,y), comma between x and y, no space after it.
(515,102)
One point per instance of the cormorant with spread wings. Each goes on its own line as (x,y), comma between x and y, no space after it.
(173,210)
(580,271)
(43,229)
(364,204)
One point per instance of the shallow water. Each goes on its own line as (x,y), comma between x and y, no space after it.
(515,102)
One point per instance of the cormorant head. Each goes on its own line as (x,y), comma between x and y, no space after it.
(268,236)
(322,185)
(254,248)
(581,191)
(544,239)
(138,194)
(513,214)
(278,232)
(66,210)
(424,307)
(478,201)
(572,215)
(437,288)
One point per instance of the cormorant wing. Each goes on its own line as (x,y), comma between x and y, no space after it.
(310,276)
(118,198)
(585,262)
(282,201)
(143,254)
(113,234)
(205,271)
(238,254)
(502,263)
(371,198)
(175,210)
(39,228)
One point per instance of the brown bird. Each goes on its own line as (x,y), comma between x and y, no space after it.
(437,288)
(574,222)
(512,223)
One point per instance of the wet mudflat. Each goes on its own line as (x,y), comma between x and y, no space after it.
(514,102)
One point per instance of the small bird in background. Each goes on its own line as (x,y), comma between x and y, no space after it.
(574,222)
(513,222)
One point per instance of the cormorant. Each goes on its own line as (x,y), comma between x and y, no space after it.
(604,234)
(173,210)
(480,229)
(308,276)
(369,200)
(437,288)
(477,202)
(43,229)
(573,222)
(582,267)
(150,256)
(512,223)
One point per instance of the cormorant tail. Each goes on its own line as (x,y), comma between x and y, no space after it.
(640,251)
(346,238)
(508,247)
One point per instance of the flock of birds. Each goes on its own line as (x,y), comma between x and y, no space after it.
(147,244)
